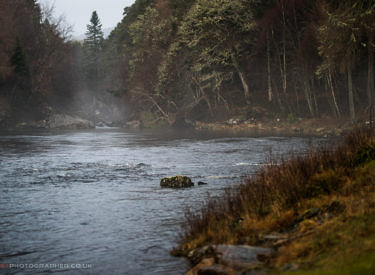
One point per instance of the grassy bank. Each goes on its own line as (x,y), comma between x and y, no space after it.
(316,210)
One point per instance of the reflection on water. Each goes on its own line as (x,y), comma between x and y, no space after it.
(94,197)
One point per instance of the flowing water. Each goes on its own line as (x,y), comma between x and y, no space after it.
(89,202)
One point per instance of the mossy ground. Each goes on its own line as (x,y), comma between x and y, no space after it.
(322,203)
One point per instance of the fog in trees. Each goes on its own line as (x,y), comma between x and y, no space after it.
(202,60)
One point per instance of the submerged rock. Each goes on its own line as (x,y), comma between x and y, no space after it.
(202,183)
(176,182)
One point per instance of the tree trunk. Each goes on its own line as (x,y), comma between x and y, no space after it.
(350,94)
(149,97)
(296,105)
(164,113)
(370,76)
(220,97)
(308,97)
(279,101)
(330,83)
(278,60)
(243,80)
(205,96)
(284,52)
(315,101)
(270,95)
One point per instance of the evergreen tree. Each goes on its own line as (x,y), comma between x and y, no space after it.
(21,89)
(94,33)
(18,60)
(92,48)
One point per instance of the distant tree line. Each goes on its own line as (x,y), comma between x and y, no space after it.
(203,58)
(197,59)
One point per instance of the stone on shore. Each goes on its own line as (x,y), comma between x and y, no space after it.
(228,259)
(241,256)
(58,121)
(133,124)
(62,121)
(176,182)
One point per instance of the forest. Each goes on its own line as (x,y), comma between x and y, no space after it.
(202,60)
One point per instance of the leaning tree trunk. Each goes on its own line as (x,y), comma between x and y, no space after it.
(243,80)
(350,94)
(330,83)
(205,96)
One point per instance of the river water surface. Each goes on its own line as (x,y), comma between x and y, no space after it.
(93,198)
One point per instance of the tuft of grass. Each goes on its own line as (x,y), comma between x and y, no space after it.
(364,265)
(324,200)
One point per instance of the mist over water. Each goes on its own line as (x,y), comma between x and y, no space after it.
(93,197)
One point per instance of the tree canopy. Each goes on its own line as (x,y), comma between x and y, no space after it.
(201,59)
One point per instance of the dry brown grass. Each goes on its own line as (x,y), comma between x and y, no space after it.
(337,180)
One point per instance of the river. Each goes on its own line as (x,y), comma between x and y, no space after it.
(89,202)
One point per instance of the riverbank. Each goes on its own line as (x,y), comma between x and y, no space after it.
(53,122)
(315,212)
(323,127)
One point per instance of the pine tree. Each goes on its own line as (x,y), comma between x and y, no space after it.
(21,91)
(94,33)
(18,60)
(92,48)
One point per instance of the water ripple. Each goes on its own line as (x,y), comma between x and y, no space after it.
(94,197)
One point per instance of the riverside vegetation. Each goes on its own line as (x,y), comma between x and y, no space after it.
(211,60)
(199,60)
(316,210)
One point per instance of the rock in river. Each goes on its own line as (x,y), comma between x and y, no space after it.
(176,182)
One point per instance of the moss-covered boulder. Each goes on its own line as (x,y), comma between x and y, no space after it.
(176,182)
